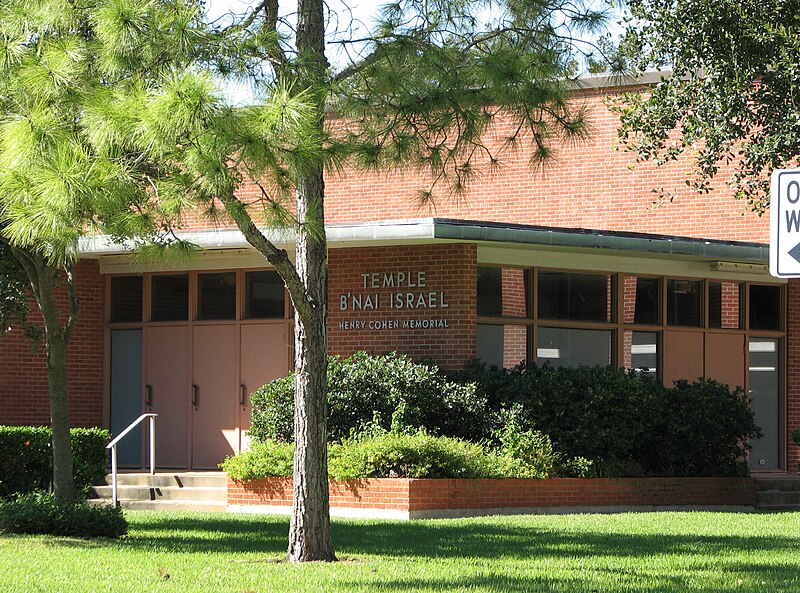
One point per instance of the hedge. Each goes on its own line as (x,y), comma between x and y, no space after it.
(26,459)
(628,425)
(362,388)
(376,453)
(41,513)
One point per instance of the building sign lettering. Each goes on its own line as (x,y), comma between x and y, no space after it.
(408,290)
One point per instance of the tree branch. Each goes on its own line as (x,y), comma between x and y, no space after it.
(277,257)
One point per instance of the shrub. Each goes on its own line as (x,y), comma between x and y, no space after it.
(796,436)
(530,454)
(41,513)
(409,455)
(361,385)
(26,459)
(699,429)
(377,453)
(264,459)
(623,423)
(598,413)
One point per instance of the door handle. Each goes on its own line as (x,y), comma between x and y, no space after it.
(148,398)
(243,394)
(195,394)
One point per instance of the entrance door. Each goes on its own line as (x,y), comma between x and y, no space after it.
(126,392)
(214,395)
(167,392)
(264,356)
(765,401)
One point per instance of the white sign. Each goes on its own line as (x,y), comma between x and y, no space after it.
(784,234)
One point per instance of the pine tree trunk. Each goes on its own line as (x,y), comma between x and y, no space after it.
(57,342)
(310,530)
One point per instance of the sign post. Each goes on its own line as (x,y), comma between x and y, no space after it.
(784,233)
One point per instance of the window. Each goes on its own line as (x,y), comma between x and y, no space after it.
(216,296)
(571,347)
(641,352)
(724,300)
(503,292)
(765,307)
(264,295)
(685,302)
(647,306)
(502,346)
(170,297)
(576,297)
(126,299)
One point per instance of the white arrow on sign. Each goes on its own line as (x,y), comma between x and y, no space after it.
(784,228)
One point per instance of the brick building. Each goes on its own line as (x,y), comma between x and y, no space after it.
(572,265)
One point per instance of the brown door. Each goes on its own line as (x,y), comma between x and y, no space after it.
(167,392)
(725,358)
(214,395)
(683,356)
(264,356)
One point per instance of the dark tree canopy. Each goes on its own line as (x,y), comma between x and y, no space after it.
(732,96)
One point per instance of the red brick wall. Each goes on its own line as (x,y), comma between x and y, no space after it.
(370,493)
(449,273)
(590,185)
(23,378)
(793,373)
(427,495)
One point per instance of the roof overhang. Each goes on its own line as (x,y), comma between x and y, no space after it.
(444,229)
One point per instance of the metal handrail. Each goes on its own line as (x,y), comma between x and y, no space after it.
(113,446)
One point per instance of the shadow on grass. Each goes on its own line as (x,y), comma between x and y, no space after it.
(443,539)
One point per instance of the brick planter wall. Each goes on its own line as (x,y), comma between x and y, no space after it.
(418,498)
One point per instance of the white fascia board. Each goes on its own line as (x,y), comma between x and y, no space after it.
(394,230)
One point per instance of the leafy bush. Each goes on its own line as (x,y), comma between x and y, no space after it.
(598,413)
(361,385)
(41,513)
(623,423)
(699,429)
(409,455)
(26,459)
(264,459)
(530,454)
(377,453)
(796,437)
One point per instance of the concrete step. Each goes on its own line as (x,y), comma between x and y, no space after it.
(788,484)
(777,508)
(166,490)
(168,479)
(199,493)
(166,505)
(775,497)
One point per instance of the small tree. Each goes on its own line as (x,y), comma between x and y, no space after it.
(66,71)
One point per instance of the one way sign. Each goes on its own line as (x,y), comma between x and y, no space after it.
(784,235)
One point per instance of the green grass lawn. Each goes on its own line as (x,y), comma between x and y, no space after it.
(709,552)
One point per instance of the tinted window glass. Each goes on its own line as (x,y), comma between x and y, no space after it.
(170,298)
(572,347)
(580,297)
(490,291)
(126,299)
(502,346)
(216,296)
(765,307)
(264,295)
(684,302)
(648,301)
